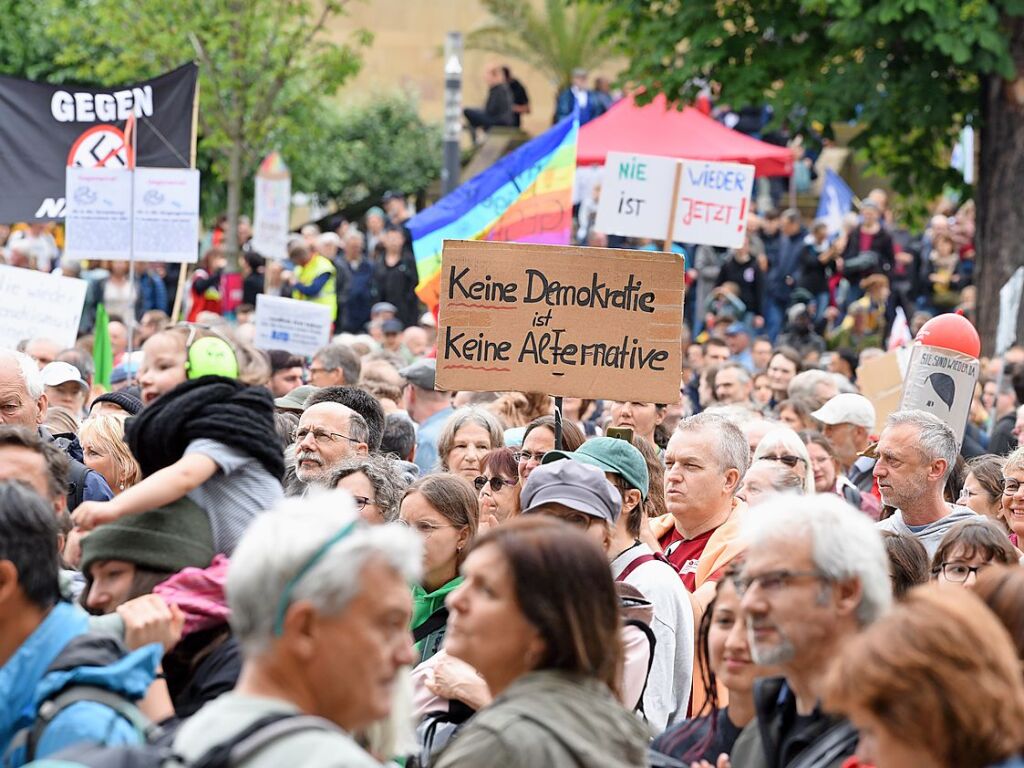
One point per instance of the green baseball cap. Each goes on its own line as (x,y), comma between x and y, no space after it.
(610,455)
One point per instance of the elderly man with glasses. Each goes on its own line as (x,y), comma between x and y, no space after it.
(320,607)
(328,434)
(815,575)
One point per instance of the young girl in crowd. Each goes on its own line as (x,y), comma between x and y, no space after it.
(204,434)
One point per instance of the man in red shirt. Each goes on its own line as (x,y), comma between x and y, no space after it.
(705,463)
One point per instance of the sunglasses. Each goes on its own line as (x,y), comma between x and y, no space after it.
(496,483)
(789,460)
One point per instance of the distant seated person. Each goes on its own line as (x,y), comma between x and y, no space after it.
(498,110)
(520,98)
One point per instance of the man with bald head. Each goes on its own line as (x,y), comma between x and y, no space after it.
(23,404)
(44,351)
(328,434)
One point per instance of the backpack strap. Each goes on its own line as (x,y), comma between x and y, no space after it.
(77,473)
(433,622)
(258,736)
(653,642)
(638,561)
(51,708)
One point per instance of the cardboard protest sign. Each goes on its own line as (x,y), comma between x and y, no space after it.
(108,212)
(577,322)
(272,208)
(39,304)
(636,195)
(941,381)
(299,327)
(46,128)
(881,382)
(711,208)
(1009,311)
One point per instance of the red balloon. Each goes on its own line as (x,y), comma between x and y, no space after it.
(951,331)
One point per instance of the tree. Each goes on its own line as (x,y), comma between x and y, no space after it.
(357,154)
(554,41)
(260,62)
(912,72)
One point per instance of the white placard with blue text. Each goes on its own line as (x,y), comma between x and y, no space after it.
(299,327)
(636,195)
(39,304)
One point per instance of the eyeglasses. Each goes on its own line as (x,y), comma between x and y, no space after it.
(314,371)
(773,581)
(422,527)
(316,557)
(321,436)
(528,456)
(496,483)
(1010,486)
(958,573)
(788,459)
(361,502)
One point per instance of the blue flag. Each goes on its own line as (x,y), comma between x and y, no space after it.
(835,202)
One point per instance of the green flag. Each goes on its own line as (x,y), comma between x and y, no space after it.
(102,353)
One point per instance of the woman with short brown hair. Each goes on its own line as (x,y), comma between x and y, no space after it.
(935,682)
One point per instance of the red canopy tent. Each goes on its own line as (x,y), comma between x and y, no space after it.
(657,129)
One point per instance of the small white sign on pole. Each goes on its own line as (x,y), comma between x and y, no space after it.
(98,213)
(166,210)
(39,304)
(1009,311)
(636,195)
(272,212)
(712,203)
(299,327)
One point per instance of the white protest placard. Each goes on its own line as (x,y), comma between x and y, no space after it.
(272,208)
(166,207)
(299,327)
(1009,311)
(101,204)
(636,195)
(39,304)
(941,381)
(98,213)
(711,207)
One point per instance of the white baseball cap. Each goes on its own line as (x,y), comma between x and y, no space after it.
(57,373)
(847,408)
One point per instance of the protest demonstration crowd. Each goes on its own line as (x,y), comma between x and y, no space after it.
(217,549)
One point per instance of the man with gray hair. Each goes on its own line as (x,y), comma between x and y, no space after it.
(320,606)
(813,389)
(815,574)
(327,434)
(23,403)
(916,453)
(335,365)
(704,466)
(733,384)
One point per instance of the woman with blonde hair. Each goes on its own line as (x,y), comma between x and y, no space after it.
(106,452)
(784,446)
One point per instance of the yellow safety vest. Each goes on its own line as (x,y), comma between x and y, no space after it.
(308,274)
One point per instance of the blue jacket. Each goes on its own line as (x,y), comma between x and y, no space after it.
(786,264)
(30,677)
(355,312)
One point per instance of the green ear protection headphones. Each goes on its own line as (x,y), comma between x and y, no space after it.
(210,355)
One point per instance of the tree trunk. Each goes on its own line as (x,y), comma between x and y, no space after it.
(235,179)
(1000,186)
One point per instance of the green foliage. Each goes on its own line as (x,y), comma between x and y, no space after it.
(909,71)
(360,152)
(554,41)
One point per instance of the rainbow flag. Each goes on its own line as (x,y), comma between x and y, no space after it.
(525,197)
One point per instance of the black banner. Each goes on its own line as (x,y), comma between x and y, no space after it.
(45,128)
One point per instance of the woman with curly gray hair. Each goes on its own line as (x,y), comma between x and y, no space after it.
(377,484)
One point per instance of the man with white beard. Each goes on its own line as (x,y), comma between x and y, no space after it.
(816,573)
(327,434)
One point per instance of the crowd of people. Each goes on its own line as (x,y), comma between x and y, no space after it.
(328,561)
